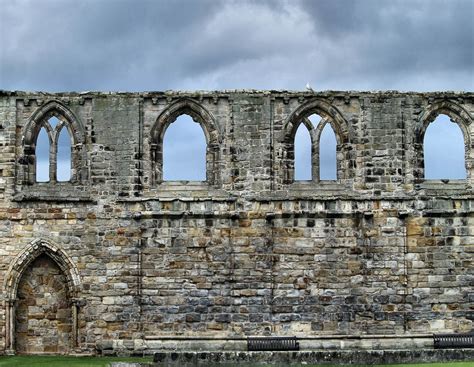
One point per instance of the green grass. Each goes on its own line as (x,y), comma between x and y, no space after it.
(60,361)
(445,364)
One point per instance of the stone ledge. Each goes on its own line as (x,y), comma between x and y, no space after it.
(153,344)
(322,357)
(61,193)
(225,92)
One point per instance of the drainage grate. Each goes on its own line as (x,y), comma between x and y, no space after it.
(454,340)
(272,343)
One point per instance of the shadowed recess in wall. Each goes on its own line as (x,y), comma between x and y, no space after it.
(43,317)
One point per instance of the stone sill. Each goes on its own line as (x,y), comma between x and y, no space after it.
(236,215)
(62,192)
(444,185)
(185,191)
(213,197)
(183,185)
(311,185)
(316,337)
(313,188)
(310,190)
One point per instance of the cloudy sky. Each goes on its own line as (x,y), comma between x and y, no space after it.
(135,45)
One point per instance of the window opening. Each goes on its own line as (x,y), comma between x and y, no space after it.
(303,166)
(184,151)
(42,156)
(64,156)
(444,151)
(327,154)
(54,121)
(315,120)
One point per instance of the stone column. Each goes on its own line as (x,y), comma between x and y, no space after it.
(156,175)
(10,326)
(212,164)
(75,303)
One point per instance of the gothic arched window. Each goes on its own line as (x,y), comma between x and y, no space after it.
(312,148)
(53,146)
(184,151)
(168,157)
(444,150)
(442,143)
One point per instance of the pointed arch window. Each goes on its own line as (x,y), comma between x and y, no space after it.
(327,154)
(53,151)
(42,149)
(442,144)
(184,151)
(53,147)
(63,155)
(303,154)
(185,144)
(315,150)
(444,150)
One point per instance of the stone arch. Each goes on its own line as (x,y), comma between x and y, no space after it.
(14,276)
(208,124)
(76,132)
(329,115)
(30,253)
(459,116)
(48,110)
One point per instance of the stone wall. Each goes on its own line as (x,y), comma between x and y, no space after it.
(43,313)
(150,264)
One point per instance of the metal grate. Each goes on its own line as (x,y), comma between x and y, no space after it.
(272,343)
(454,340)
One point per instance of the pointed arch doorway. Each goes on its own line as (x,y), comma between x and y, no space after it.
(42,304)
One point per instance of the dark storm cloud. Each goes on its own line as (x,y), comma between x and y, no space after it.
(64,45)
(405,39)
(143,45)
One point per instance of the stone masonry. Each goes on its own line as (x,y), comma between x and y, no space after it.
(119,261)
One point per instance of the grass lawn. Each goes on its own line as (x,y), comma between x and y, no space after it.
(445,364)
(59,361)
(55,361)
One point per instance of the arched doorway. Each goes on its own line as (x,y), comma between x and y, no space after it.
(42,285)
(43,318)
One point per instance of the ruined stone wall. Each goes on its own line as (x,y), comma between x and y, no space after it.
(151,264)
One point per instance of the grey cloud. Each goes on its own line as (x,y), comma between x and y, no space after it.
(60,45)
(149,45)
(400,38)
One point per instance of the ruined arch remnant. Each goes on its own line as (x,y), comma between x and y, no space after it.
(21,268)
(118,260)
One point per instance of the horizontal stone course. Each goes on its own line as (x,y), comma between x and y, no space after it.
(342,357)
